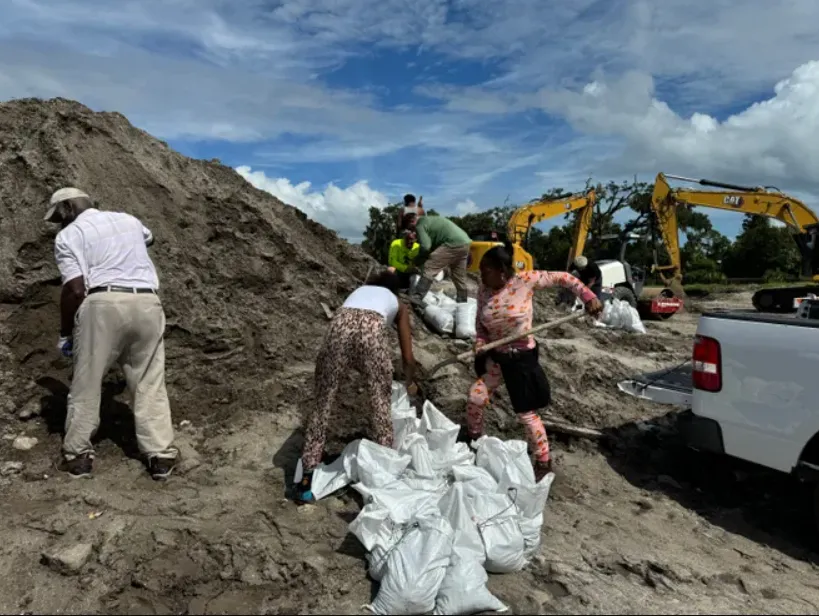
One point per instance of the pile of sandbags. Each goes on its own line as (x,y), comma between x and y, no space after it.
(617,314)
(444,315)
(437,516)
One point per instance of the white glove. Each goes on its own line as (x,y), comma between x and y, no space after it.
(66,346)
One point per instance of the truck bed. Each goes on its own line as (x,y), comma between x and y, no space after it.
(667,386)
(762,317)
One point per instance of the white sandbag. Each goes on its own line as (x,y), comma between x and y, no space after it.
(465,316)
(619,314)
(378,534)
(404,502)
(416,446)
(360,461)
(475,480)
(530,497)
(531,529)
(464,590)
(457,506)
(439,319)
(439,430)
(402,412)
(497,520)
(502,458)
(444,460)
(376,465)
(415,568)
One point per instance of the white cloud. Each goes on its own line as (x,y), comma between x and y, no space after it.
(659,77)
(467,206)
(768,142)
(345,210)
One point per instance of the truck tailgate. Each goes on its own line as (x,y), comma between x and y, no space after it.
(667,386)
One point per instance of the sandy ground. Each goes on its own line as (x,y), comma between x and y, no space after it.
(636,524)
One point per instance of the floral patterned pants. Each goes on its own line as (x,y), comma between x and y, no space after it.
(356,339)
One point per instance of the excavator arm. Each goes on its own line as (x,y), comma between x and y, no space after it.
(522,220)
(747,200)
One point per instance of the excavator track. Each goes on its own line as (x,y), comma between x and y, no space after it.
(780,300)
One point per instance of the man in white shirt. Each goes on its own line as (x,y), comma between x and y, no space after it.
(110,313)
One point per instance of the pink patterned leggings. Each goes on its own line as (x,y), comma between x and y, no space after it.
(480,395)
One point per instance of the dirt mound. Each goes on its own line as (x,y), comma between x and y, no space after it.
(241,273)
(638,525)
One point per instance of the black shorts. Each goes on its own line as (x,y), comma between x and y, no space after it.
(525,380)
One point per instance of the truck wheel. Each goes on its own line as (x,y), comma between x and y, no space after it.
(625,294)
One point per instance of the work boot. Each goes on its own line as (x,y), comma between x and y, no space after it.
(161,468)
(303,490)
(420,291)
(542,469)
(80,466)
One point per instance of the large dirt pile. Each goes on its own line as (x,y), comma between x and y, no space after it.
(242,274)
(635,524)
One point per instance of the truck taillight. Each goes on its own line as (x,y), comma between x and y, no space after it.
(707,364)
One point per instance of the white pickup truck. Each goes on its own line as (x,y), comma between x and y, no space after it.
(752,388)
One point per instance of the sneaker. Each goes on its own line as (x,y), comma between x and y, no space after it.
(161,468)
(80,466)
(303,492)
(542,469)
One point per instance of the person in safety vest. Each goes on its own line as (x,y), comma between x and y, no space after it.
(403,252)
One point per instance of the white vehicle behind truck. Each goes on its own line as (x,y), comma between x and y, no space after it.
(751,389)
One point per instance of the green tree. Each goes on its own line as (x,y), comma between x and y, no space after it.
(381,231)
(762,250)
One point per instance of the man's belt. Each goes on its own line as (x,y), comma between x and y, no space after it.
(116,289)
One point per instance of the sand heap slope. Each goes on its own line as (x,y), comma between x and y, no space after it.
(242,274)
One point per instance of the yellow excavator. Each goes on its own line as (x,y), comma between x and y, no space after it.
(761,201)
(620,279)
(522,220)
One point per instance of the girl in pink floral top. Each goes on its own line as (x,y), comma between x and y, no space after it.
(505,309)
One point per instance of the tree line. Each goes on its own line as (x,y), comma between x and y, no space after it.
(760,251)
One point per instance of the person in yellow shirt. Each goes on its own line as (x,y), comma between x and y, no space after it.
(403,252)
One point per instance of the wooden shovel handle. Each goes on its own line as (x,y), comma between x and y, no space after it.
(493,345)
(539,328)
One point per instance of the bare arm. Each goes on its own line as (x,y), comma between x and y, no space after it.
(73,291)
(543,279)
(405,341)
(482,334)
(71,297)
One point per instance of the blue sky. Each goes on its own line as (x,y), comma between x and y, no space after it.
(335,106)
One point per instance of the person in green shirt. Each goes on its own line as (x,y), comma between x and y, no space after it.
(443,244)
(403,252)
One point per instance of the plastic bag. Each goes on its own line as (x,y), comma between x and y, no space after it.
(440,319)
(464,590)
(619,314)
(360,461)
(505,459)
(415,568)
(465,315)
(439,431)
(497,521)
(458,507)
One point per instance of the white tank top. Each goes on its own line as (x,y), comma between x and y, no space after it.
(378,299)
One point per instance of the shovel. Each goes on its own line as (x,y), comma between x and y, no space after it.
(497,343)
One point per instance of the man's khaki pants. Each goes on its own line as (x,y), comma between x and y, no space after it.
(453,258)
(127,329)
